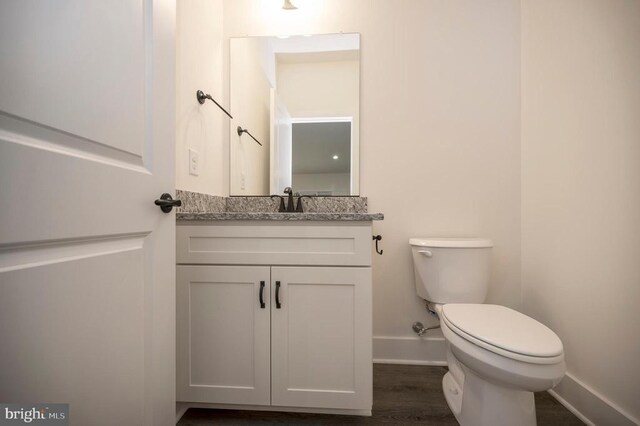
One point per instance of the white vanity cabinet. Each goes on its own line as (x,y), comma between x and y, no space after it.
(275,315)
(223,337)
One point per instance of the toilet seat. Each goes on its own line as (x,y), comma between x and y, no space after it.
(504,331)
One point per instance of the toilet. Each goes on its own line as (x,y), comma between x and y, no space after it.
(497,357)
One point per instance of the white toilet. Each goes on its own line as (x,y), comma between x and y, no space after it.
(497,357)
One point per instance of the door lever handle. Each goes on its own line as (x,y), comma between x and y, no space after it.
(166,203)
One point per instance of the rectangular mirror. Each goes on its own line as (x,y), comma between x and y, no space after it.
(299,96)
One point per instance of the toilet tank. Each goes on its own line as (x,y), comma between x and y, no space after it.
(451,270)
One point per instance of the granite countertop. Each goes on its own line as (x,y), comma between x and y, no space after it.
(279,216)
(203,207)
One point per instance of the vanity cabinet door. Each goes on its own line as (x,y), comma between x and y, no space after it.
(321,337)
(223,334)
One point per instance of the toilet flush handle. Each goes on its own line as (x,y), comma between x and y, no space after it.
(425,252)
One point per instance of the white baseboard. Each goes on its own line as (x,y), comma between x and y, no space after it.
(428,350)
(588,405)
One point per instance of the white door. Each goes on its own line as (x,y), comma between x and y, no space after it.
(223,334)
(281,145)
(321,337)
(87,298)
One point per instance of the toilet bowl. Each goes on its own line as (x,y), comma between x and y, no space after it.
(501,367)
(497,357)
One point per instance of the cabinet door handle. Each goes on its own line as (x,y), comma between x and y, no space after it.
(278,295)
(262,305)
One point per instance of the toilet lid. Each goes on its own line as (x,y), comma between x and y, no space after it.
(503,328)
(451,242)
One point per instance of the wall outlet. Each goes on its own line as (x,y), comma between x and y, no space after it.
(194,163)
(242,181)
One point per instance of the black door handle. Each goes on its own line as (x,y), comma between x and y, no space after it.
(278,305)
(262,305)
(167,203)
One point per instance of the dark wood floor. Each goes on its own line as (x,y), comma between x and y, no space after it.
(402,394)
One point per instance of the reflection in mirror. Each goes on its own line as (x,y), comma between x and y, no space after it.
(322,157)
(299,96)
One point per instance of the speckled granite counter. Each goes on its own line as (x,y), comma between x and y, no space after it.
(279,216)
(204,207)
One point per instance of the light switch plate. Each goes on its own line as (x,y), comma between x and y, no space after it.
(194,163)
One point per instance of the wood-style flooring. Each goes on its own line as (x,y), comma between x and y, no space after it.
(402,395)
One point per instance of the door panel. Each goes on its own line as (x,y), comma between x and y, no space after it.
(87,113)
(223,334)
(89,61)
(321,337)
(58,323)
(323,319)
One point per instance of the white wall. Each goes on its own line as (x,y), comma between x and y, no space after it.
(320,89)
(250,99)
(581,194)
(439,128)
(199,66)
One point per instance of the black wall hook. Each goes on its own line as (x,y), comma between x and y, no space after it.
(377,238)
(201,96)
(240,131)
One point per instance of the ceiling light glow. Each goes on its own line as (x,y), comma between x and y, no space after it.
(288,6)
